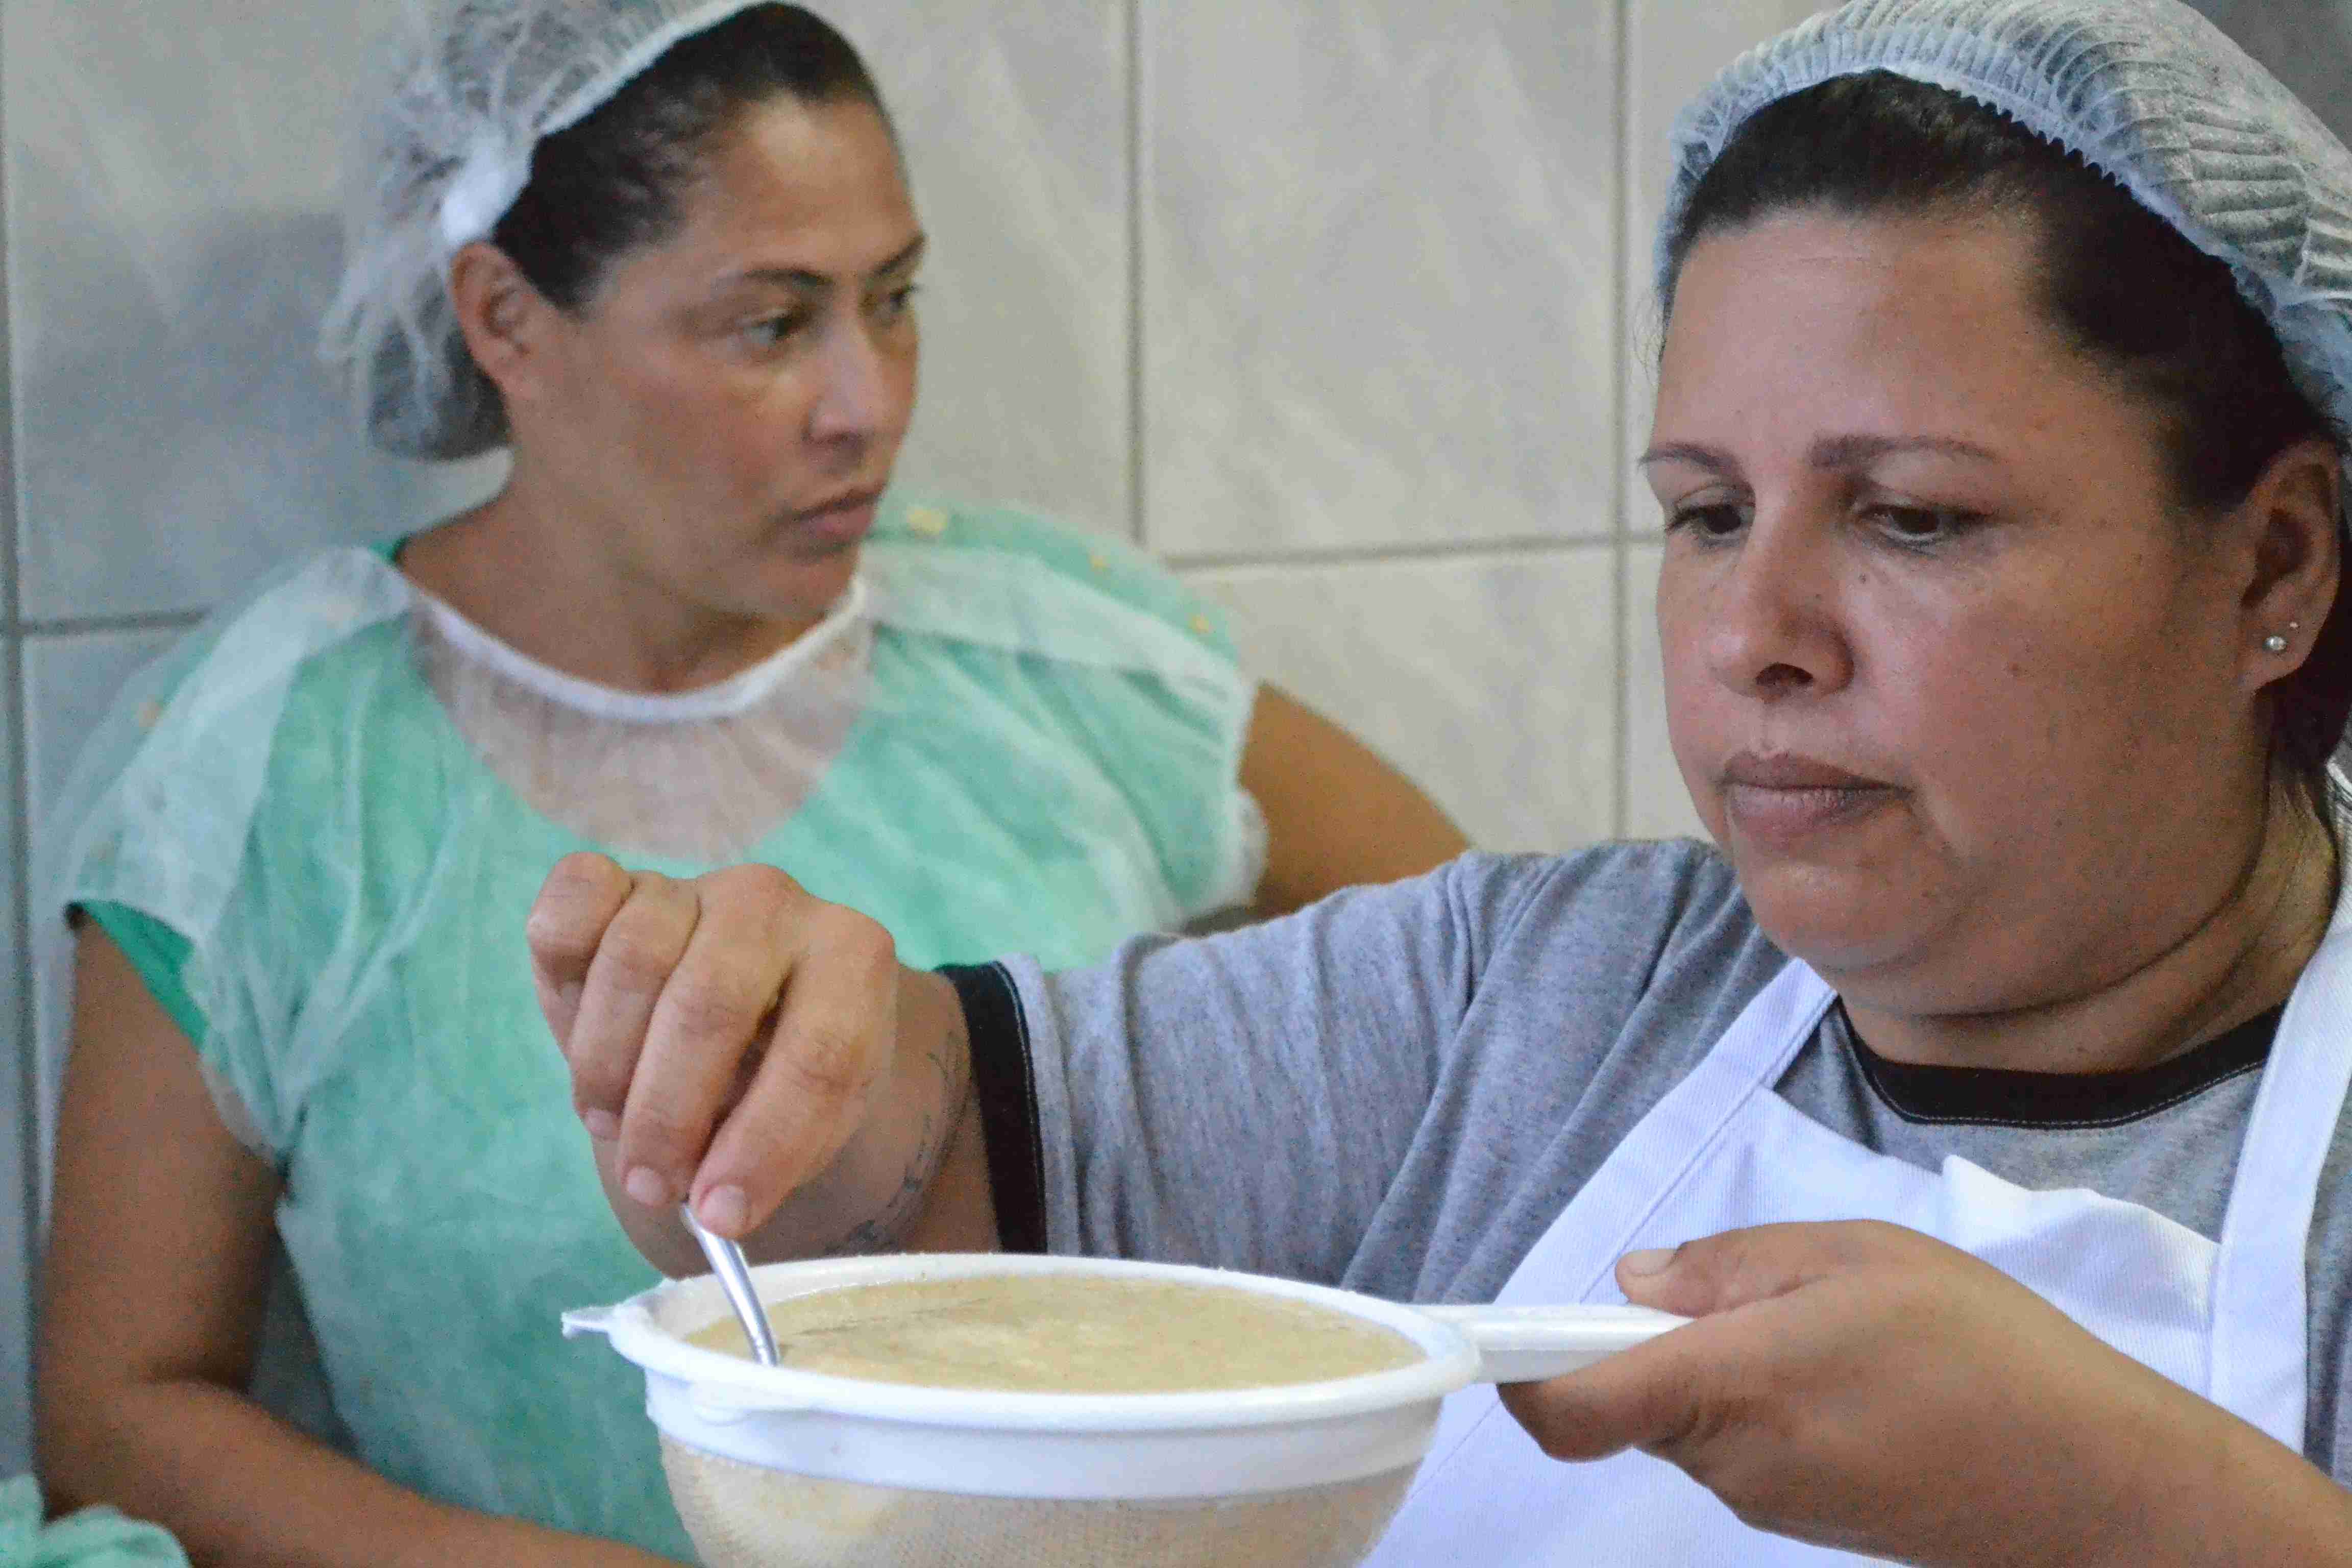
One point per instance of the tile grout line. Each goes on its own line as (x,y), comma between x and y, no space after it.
(1137,377)
(1620,221)
(26,1178)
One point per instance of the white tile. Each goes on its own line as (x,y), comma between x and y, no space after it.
(1673,49)
(69,683)
(1657,804)
(1491,681)
(172,243)
(1014,119)
(1379,273)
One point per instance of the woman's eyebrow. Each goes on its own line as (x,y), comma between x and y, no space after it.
(1830,453)
(805,282)
(1836,452)
(1710,459)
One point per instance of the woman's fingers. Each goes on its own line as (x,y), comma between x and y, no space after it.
(1702,1379)
(724,1034)
(1870,1387)
(831,1043)
(1718,1273)
(568,921)
(641,949)
(1651,1396)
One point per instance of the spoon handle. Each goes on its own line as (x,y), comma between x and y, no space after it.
(735,1279)
(1528,1345)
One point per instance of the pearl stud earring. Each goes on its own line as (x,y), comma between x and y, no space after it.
(2276,643)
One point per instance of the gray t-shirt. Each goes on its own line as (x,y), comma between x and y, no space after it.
(1399,1090)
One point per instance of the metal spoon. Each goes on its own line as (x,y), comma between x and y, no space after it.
(735,1279)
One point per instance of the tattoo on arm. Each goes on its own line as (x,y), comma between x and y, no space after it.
(885,1231)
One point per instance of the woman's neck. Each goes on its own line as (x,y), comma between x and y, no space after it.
(545,590)
(2241,959)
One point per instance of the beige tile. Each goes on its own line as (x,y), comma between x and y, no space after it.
(1378,273)
(1657,804)
(1490,680)
(1014,117)
(1673,48)
(173,241)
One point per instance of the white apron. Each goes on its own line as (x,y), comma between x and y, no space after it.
(1722,1151)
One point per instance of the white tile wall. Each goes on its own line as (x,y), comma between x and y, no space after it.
(1492,680)
(71,680)
(1377,274)
(1673,48)
(1014,118)
(172,244)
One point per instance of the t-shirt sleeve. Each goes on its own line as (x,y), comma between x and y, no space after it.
(1245,1100)
(160,957)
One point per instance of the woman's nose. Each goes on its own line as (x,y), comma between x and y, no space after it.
(855,400)
(1772,630)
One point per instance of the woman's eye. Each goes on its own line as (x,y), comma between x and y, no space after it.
(772,330)
(1718,521)
(1921,525)
(890,307)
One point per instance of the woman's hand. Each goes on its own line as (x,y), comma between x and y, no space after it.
(1869,1388)
(736,1041)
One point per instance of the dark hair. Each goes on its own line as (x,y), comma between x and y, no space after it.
(615,182)
(2128,289)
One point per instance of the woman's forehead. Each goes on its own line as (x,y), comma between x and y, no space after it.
(1807,322)
(796,186)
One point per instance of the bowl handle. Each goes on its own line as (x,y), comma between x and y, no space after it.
(1528,1345)
(588,1320)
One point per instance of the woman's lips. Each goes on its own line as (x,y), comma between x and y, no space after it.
(837,524)
(1784,799)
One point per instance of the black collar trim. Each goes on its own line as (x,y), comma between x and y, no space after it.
(1998,1096)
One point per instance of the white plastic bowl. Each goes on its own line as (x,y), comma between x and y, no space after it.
(1356,1439)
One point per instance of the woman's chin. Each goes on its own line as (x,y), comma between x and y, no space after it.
(1838,920)
(795,588)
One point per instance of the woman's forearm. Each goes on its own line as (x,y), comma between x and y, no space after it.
(242,1490)
(2211,1492)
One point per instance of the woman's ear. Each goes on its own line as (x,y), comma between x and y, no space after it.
(505,321)
(2294,518)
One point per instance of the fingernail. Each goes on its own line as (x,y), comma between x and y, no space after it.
(603,1125)
(646,1187)
(1649,1260)
(724,1209)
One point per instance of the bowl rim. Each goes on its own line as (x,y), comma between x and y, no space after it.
(720,1381)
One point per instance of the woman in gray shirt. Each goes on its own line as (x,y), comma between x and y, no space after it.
(1980,1090)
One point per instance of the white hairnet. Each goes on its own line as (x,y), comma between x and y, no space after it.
(2146,91)
(476,85)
